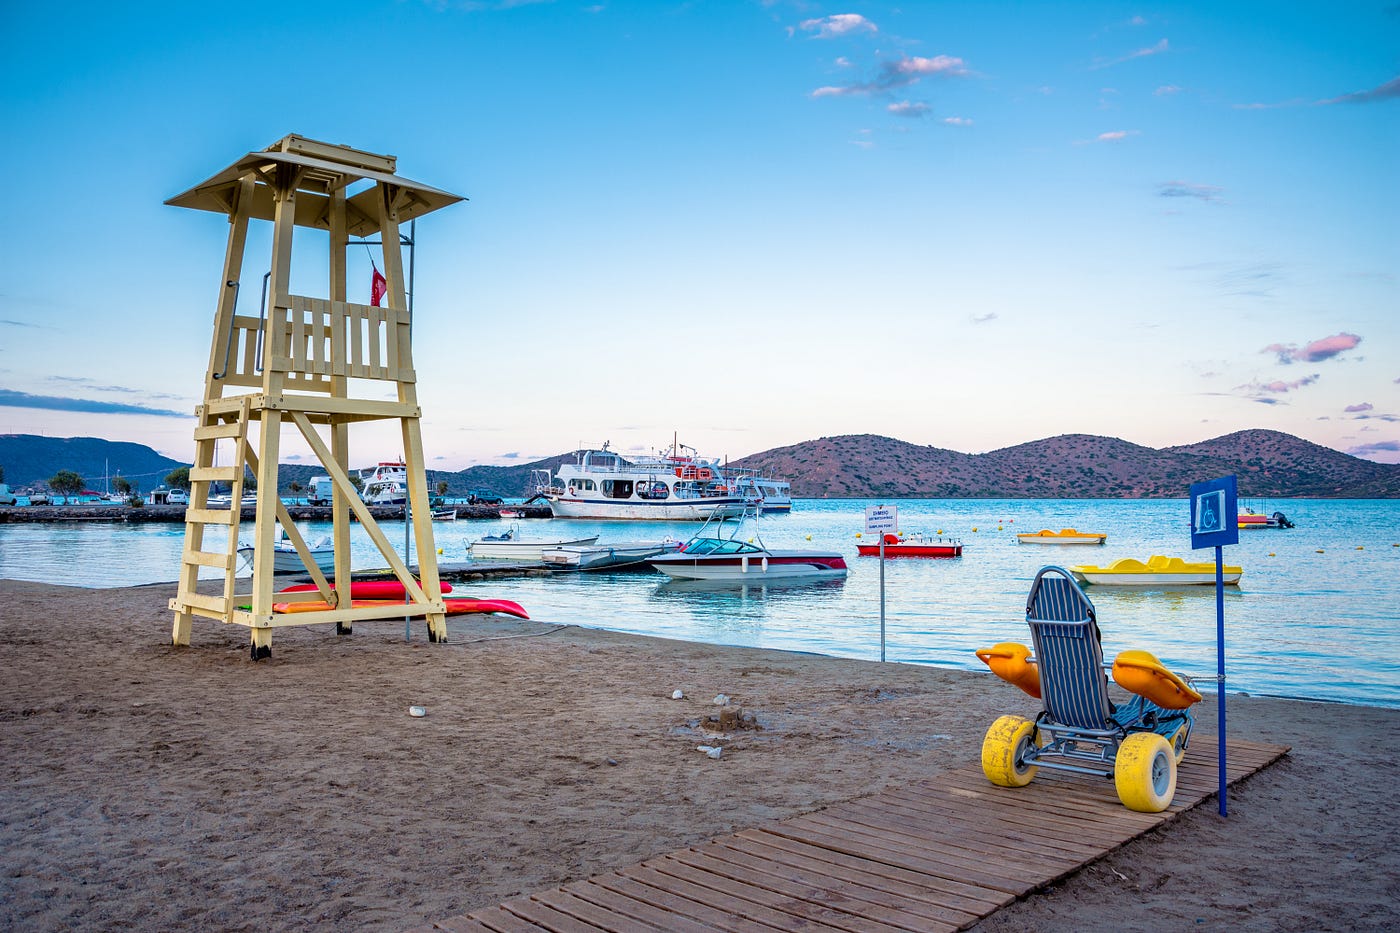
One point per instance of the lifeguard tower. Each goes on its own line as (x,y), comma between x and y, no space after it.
(316,365)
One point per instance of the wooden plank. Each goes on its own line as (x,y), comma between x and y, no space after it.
(213,474)
(499,920)
(890,835)
(736,901)
(670,904)
(919,888)
(971,829)
(768,892)
(816,885)
(956,895)
(926,862)
(639,909)
(211,432)
(566,901)
(542,915)
(1036,830)
(209,559)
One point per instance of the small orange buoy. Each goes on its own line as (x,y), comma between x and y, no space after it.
(1320,551)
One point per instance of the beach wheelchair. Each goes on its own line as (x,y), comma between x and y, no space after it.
(1138,744)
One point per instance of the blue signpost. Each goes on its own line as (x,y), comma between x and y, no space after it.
(1215,523)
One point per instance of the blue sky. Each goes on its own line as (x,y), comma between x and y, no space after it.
(750,224)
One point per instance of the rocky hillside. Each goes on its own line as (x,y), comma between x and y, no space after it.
(1268,463)
(1071,466)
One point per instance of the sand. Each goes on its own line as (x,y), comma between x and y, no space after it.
(144,786)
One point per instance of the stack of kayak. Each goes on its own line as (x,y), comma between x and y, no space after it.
(389,593)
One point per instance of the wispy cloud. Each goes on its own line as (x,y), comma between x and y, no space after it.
(1161,46)
(984,318)
(1166,90)
(1390,90)
(957,121)
(899,73)
(13,399)
(1360,406)
(840,24)
(1278,386)
(1112,136)
(908,109)
(1186,189)
(1371,451)
(8,323)
(1322,349)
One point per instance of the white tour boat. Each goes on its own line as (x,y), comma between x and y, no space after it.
(605,485)
(772,495)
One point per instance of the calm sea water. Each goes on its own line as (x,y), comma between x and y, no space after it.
(1317,613)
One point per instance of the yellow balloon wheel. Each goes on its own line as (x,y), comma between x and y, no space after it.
(1003,749)
(1144,772)
(1178,743)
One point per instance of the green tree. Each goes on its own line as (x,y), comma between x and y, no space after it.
(294,487)
(67,483)
(442,487)
(121,486)
(178,478)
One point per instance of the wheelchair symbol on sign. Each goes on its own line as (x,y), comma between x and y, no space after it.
(1210,512)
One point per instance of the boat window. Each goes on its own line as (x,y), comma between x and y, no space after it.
(703,545)
(653,490)
(617,488)
(582,485)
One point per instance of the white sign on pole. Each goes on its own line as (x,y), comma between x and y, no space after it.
(881,518)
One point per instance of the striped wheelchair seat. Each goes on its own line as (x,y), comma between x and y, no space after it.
(1067,651)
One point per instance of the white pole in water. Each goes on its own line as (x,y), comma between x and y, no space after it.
(882,596)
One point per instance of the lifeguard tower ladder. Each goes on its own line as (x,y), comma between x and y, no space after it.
(301,364)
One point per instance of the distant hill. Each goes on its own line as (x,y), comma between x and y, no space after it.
(30,459)
(1074,466)
(1070,466)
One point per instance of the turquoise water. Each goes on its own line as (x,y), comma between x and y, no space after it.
(1317,613)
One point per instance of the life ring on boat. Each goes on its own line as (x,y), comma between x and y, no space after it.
(704,473)
(1012,663)
(1140,672)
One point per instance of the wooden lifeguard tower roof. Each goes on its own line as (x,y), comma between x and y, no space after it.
(324,167)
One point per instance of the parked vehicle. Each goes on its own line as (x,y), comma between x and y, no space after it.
(321,491)
(7,497)
(484,497)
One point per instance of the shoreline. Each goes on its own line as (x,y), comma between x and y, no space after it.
(152,786)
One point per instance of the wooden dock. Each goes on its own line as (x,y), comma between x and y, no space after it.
(937,855)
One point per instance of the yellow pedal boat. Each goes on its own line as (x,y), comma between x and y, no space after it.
(1063,536)
(1158,571)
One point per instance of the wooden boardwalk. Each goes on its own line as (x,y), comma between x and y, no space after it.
(937,855)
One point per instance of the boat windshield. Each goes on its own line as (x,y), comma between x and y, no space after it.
(720,546)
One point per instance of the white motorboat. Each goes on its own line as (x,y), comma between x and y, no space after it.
(285,558)
(675,487)
(385,483)
(509,546)
(598,556)
(772,495)
(710,555)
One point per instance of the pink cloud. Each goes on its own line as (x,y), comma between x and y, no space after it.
(1363,406)
(1316,351)
(1278,386)
(900,73)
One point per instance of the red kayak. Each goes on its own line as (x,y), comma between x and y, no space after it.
(454,606)
(367,589)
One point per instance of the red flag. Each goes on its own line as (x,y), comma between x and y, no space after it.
(378,286)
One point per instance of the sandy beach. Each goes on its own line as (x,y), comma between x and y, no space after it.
(148,787)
